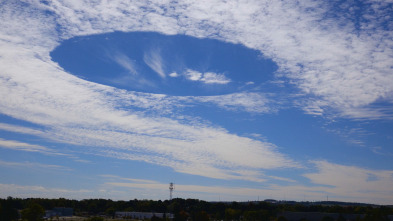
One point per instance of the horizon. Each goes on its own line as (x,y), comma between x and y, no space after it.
(335,203)
(231,101)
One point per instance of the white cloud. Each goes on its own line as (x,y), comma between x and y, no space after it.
(24,191)
(132,76)
(186,191)
(31,165)
(154,61)
(118,188)
(128,179)
(339,182)
(213,78)
(345,67)
(198,150)
(379,150)
(354,182)
(193,75)
(124,61)
(250,102)
(20,129)
(207,78)
(174,74)
(84,113)
(20,146)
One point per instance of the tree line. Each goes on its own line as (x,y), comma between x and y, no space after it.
(183,209)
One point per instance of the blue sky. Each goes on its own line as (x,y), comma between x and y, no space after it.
(230,101)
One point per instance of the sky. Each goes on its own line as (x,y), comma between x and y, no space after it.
(230,100)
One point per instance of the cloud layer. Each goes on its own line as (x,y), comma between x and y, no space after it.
(82,113)
(347,67)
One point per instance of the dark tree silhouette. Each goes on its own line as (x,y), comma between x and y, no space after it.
(34,212)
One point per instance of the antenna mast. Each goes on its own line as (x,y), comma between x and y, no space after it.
(171,187)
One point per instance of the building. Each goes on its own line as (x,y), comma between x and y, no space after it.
(59,211)
(143,215)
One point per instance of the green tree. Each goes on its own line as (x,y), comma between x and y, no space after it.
(96,219)
(35,212)
(111,212)
(327,218)
(375,215)
(251,215)
(281,218)
(8,212)
(201,216)
(341,218)
(232,214)
(260,215)
(181,216)
(155,218)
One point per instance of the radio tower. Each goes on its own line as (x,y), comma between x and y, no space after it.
(171,187)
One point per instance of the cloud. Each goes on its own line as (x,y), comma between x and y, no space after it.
(339,182)
(128,179)
(378,150)
(21,146)
(353,182)
(16,145)
(186,191)
(213,78)
(246,101)
(83,113)
(174,74)
(198,150)
(154,61)
(207,78)
(20,129)
(125,62)
(31,165)
(345,65)
(137,79)
(25,191)
(193,75)
(192,189)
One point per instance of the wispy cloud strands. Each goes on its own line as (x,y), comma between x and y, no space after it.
(16,145)
(125,62)
(25,191)
(154,61)
(33,165)
(20,129)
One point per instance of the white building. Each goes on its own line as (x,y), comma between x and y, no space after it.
(143,215)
